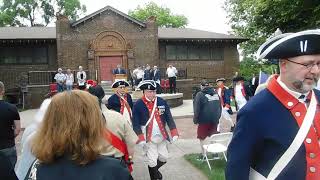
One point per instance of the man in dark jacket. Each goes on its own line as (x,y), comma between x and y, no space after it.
(207,112)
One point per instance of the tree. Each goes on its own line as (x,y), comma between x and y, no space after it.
(164,16)
(250,66)
(258,19)
(37,12)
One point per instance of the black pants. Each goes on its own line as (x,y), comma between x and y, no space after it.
(172,84)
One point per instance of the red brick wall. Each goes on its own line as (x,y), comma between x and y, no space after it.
(73,42)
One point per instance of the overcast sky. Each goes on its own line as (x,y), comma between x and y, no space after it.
(202,14)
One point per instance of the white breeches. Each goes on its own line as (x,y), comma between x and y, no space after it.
(155,151)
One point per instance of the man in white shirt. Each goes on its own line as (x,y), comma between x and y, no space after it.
(81,77)
(172,75)
(60,79)
(138,73)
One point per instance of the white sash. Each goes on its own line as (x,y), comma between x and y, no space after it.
(150,118)
(293,148)
(125,109)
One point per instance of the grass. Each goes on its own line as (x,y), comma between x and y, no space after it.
(217,171)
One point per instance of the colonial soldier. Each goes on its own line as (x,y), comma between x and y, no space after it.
(121,101)
(224,94)
(277,134)
(241,92)
(150,116)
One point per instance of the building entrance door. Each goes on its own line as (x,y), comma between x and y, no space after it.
(107,64)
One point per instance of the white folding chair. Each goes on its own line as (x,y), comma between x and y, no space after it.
(217,143)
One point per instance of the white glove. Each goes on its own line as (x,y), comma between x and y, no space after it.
(174,138)
(225,108)
(88,86)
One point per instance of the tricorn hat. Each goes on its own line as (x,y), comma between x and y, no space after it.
(291,45)
(147,85)
(221,79)
(119,83)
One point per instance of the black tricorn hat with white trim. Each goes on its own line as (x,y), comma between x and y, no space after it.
(221,79)
(147,85)
(118,83)
(291,45)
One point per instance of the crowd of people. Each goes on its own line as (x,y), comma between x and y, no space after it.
(141,73)
(65,81)
(276,134)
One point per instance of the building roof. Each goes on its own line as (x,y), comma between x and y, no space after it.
(188,33)
(27,33)
(107,8)
(163,34)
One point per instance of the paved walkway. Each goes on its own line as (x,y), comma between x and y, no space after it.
(177,167)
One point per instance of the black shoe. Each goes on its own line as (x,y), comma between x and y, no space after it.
(154,173)
(159,164)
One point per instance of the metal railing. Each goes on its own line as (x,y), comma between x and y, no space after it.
(47,77)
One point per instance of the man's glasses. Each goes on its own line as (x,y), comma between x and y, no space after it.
(307,66)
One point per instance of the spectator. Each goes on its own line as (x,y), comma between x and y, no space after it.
(96,90)
(157,78)
(207,112)
(119,70)
(69,145)
(60,79)
(172,75)
(27,158)
(254,82)
(6,169)
(138,73)
(147,73)
(82,78)
(9,127)
(69,80)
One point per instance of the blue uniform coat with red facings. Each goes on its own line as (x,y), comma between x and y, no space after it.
(140,115)
(266,127)
(115,104)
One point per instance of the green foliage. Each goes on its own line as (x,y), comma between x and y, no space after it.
(258,19)
(37,12)
(164,16)
(218,166)
(249,66)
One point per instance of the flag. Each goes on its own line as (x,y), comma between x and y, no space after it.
(263,77)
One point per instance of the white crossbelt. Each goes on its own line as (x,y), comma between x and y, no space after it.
(293,148)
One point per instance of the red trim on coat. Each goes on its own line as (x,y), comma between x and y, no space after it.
(156,115)
(174,132)
(124,103)
(298,111)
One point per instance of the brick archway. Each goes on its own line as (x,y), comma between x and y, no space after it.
(110,48)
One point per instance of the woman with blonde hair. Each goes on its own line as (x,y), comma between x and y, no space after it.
(69,143)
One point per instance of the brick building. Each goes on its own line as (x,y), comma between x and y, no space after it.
(31,55)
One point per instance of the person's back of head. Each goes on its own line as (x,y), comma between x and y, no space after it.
(72,126)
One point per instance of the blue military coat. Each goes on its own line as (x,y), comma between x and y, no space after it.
(114,102)
(266,127)
(140,115)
